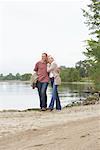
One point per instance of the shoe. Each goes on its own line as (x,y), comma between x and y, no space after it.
(43,109)
(58,110)
(50,109)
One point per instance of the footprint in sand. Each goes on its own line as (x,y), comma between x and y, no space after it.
(83,136)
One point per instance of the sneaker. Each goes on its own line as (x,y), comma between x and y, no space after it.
(50,109)
(43,109)
(58,110)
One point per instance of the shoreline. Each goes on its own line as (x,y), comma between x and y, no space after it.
(28,81)
(92,100)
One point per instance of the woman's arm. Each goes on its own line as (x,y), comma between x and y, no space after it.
(51,67)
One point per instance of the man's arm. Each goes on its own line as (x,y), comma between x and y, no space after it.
(36,67)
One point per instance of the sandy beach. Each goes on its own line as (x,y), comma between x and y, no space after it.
(75,128)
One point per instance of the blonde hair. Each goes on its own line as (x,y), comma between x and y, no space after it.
(50,56)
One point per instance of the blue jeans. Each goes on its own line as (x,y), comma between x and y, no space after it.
(55,96)
(42,88)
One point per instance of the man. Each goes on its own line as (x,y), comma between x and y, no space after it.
(43,79)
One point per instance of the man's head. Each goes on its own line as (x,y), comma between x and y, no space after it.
(44,57)
(50,59)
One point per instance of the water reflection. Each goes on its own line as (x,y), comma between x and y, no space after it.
(73,90)
(19,95)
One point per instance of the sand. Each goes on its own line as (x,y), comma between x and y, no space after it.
(75,128)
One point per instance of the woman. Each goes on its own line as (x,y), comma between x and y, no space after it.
(55,79)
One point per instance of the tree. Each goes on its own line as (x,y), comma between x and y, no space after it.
(64,74)
(83,68)
(70,75)
(18,76)
(92,52)
(26,76)
(73,75)
(10,76)
(1,76)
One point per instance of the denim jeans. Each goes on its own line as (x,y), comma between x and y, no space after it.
(55,96)
(42,88)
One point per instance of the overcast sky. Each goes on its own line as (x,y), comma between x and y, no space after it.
(28,28)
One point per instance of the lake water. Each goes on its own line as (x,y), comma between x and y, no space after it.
(19,95)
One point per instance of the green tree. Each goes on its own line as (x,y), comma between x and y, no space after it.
(18,76)
(92,52)
(1,76)
(83,67)
(70,75)
(64,75)
(73,75)
(26,76)
(10,76)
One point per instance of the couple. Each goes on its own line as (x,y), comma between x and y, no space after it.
(47,70)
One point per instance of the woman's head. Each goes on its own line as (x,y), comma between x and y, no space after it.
(50,59)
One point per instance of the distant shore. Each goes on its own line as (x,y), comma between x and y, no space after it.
(28,81)
(15,81)
(72,128)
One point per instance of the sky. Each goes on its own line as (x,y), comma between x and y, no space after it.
(28,28)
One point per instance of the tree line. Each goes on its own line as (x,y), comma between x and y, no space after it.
(76,73)
(18,76)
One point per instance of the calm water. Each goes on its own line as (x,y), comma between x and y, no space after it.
(18,95)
